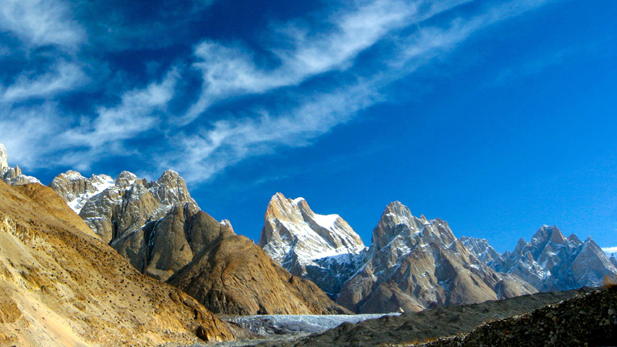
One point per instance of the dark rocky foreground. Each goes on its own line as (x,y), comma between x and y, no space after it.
(589,320)
(431,324)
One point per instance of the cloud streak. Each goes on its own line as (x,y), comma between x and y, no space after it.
(231,71)
(63,77)
(41,22)
(230,141)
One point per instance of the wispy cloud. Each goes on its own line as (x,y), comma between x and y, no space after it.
(64,76)
(227,142)
(295,54)
(230,70)
(41,22)
(29,133)
(139,111)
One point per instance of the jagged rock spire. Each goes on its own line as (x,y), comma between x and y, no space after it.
(3,158)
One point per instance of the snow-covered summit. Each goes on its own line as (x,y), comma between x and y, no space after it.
(76,189)
(113,208)
(322,248)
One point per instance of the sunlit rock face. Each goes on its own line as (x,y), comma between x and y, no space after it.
(414,263)
(144,221)
(12,175)
(551,261)
(321,248)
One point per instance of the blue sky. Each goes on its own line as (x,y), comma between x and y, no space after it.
(497,116)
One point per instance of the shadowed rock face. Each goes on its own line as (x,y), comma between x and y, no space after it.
(232,275)
(323,249)
(414,263)
(61,286)
(552,262)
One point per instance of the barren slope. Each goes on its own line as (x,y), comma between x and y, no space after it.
(232,275)
(62,286)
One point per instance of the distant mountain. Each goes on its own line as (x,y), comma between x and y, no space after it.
(160,229)
(323,249)
(553,262)
(61,286)
(414,263)
(12,175)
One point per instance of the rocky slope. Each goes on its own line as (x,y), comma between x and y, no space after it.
(553,262)
(589,320)
(323,249)
(61,286)
(160,229)
(12,175)
(414,264)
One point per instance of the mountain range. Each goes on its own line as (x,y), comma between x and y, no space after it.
(304,263)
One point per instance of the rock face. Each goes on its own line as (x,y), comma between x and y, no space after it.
(613,260)
(552,262)
(160,229)
(480,248)
(61,286)
(323,249)
(414,263)
(232,275)
(144,221)
(10,175)
(76,190)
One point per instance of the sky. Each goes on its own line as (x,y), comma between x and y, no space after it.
(496,116)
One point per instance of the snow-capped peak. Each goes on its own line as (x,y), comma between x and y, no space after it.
(300,240)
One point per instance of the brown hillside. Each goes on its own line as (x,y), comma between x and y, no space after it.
(61,286)
(232,275)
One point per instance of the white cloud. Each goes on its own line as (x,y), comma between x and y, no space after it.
(41,22)
(64,76)
(29,134)
(228,142)
(203,155)
(139,111)
(34,135)
(610,250)
(230,70)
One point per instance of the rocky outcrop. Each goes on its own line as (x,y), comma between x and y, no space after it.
(61,286)
(232,275)
(613,260)
(323,249)
(552,262)
(12,175)
(4,164)
(414,263)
